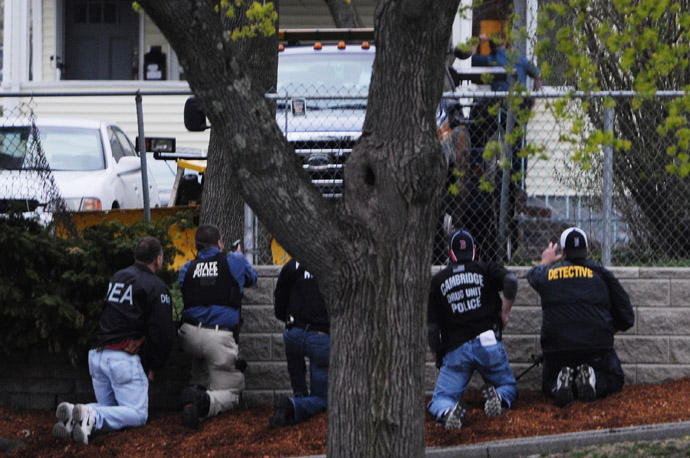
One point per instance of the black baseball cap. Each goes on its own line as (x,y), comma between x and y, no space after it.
(461,246)
(574,243)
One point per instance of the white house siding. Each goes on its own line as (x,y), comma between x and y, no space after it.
(163,115)
(49,32)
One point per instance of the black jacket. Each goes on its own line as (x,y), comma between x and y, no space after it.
(138,304)
(583,305)
(464,302)
(297,294)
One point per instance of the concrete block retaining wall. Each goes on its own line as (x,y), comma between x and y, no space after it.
(656,349)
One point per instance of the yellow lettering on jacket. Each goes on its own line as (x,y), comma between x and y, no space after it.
(562,272)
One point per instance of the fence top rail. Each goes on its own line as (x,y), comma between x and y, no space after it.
(543,93)
(91,93)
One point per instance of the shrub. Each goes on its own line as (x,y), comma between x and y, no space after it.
(52,289)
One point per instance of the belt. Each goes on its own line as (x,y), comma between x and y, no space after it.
(199,324)
(311,327)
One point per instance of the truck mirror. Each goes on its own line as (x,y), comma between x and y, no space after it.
(194,117)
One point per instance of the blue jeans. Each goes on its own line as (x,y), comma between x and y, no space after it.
(458,366)
(315,346)
(121,388)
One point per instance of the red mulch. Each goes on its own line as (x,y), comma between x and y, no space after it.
(245,432)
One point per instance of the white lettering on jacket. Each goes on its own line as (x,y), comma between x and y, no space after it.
(206,269)
(117,295)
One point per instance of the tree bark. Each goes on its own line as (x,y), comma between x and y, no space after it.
(222,202)
(344,14)
(371,249)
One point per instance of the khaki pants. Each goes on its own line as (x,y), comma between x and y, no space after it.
(214,353)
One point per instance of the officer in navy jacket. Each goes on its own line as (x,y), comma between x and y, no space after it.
(212,287)
(135,336)
(583,305)
(465,318)
(299,303)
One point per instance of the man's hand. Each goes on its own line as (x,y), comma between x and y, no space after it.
(549,256)
(133,346)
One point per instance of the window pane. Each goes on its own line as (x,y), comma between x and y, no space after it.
(95,11)
(110,13)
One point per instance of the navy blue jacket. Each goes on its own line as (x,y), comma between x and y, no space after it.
(138,305)
(583,305)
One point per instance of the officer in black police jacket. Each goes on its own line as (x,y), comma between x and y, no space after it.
(298,302)
(583,305)
(137,316)
(465,318)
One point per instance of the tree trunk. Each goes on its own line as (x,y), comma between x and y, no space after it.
(344,14)
(222,202)
(370,250)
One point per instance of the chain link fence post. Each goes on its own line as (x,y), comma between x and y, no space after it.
(607,190)
(249,230)
(142,155)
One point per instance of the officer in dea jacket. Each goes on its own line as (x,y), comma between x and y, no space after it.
(212,286)
(134,338)
(583,305)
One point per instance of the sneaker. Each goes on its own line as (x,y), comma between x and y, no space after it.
(84,418)
(452,419)
(283,412)
(195,406)
(564,387)
(585,383)
(64,426)
(493,406)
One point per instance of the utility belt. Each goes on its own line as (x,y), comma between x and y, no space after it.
(322,328)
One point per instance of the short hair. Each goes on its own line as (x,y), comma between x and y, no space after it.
(206,235)
(147,250)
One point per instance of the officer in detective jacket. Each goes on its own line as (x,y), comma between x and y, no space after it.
(212,287)
(134,338)
(299,303)
(583,305)
(465,317)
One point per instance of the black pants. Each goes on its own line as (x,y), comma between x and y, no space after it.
(606,365)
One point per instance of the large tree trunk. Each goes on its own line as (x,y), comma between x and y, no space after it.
(371,250)
(222,202)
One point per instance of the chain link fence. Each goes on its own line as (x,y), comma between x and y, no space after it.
(27,183)
(519,172)
(523,170)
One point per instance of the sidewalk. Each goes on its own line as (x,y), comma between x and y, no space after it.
(540,445)
(543,445)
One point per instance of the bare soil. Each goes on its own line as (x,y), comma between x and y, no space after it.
(245,432)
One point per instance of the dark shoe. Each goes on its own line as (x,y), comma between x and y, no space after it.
(493,406)
(453,418)
(195,406)
(283,412)
(564,387)
(585,383)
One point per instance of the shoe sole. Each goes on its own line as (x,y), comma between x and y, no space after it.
(492,406)
(585,391)
(189,417)
(78,434)
(63,414)
(564,395)
(455,417)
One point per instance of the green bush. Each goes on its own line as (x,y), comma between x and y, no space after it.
(52,289)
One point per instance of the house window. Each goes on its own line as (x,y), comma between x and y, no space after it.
(95,12)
